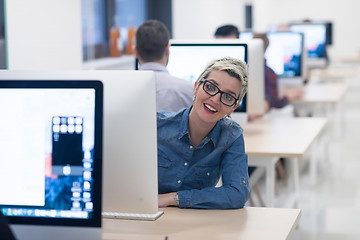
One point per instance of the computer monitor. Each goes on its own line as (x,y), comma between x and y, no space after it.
(130,136)
(285,55)
(51,156)
(189,58)
(256,85)
(315,42)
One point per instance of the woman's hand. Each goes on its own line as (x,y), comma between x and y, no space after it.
(167,199)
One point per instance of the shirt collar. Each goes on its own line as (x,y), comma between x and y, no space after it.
(184,123)
(213,136)
(153,66)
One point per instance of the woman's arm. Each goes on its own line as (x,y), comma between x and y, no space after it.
(168,199)
(234,191)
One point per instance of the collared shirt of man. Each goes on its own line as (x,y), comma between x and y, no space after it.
(172,93)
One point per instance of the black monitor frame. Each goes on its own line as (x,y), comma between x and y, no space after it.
(95,220)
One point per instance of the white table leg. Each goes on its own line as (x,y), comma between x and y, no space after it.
(270,165)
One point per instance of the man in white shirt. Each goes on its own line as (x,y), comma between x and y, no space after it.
(152,50)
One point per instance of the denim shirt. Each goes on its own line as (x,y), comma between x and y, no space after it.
(194,172)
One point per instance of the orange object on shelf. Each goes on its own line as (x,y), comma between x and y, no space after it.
(130,40)
(115,49)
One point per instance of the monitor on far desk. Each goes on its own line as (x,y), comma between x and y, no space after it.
(189,58)
(315,40)
(285,55)
(51,156)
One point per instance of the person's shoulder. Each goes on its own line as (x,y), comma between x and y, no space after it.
(163,115)
(170,116)
(231,126)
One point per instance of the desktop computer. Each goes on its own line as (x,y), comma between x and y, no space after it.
(51,157)
(130,187)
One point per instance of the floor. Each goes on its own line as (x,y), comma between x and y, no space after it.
(331,208)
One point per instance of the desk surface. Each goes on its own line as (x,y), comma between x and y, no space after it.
(281,137)
(334,73)
(323,93)
(247,223)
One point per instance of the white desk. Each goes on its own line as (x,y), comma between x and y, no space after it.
(324,100)
(244,224)
(330,93)
(268,139)
(333,74)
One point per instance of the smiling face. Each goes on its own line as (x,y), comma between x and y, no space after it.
(209,109)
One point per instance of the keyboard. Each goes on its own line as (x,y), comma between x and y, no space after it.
(133,216)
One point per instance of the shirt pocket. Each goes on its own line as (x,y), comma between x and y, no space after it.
(164,166)
(207,176)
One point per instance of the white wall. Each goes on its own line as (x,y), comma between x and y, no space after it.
(344,14)
(199,19)
(44,34)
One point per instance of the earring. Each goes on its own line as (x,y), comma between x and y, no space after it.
(228,119)
(194,98)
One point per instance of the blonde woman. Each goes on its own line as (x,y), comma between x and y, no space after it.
(200,144)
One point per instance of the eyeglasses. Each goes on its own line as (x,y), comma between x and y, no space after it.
(211,89)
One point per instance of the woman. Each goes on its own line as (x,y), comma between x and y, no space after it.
(199,144)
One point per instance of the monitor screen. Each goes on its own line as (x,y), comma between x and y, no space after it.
(284,53)
(51,153)
(188,60)
(314,38)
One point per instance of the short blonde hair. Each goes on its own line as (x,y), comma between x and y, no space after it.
(234,67)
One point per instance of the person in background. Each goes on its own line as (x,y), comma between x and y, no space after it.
(200,144)
(152,50)
(273,99)
(227,31)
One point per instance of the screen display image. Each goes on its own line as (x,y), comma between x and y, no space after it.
(50,152)
(201,54)
(39,133)
(314,37)
(284,53)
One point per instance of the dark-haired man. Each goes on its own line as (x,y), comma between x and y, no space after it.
(227,31)
(152,50)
